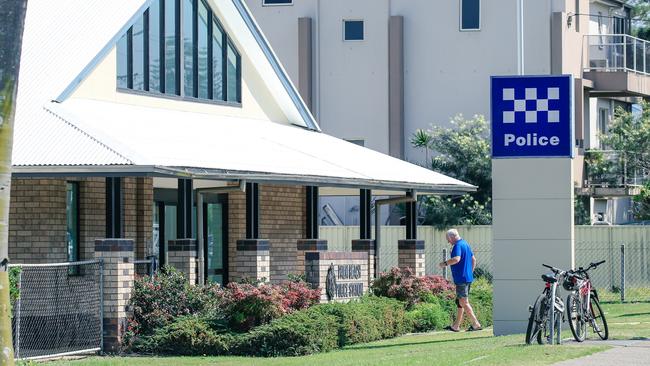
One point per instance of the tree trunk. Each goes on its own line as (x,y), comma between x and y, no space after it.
(12,20)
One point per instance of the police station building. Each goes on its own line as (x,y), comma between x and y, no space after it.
(168,128)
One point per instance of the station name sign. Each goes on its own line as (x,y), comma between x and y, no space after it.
(343,281)
(532,116)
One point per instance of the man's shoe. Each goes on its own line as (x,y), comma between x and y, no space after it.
(472,329)
(451,329)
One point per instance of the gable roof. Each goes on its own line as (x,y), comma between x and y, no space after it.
(75,136)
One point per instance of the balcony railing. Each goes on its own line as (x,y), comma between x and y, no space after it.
(617,52)
(614,169)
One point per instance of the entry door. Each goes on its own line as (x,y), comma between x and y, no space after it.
(215,234)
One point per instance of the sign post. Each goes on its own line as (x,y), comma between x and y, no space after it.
(532,189)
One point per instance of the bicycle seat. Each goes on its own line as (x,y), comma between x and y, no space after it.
(548,277)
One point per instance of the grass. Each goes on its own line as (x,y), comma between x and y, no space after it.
(626,321)
(631,294)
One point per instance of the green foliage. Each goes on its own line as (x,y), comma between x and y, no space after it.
(642,203)
(325,327)
(581,211)
(159,300)
(429,316)
(301,333)
(480,272)
(402,284)
(189,335)
(14,289)
(462,152)
(641,15)
(630,134)
(602,170)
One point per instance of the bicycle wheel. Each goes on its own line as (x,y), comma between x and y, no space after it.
(598,321)
(576,320)
(533,329)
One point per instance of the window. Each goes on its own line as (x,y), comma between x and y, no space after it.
(470,15)
(353,30)
(151,57)
(277,2)
(72,220)
(603,121)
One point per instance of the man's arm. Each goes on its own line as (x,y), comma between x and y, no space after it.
(473,263)
(450,262)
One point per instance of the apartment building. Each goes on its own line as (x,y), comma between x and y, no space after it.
(375,71)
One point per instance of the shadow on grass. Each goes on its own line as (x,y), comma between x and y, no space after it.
(633,314)
(379,346)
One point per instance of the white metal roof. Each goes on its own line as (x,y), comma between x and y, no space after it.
(208,146)
(60,39)
(62,42)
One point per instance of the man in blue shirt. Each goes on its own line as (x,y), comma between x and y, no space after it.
(462,264)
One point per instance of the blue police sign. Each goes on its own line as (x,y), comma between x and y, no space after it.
(532,116)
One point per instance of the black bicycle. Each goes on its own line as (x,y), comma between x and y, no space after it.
(545,321)
(583,306)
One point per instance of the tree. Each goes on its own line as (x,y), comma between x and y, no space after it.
(629,133)
(463,152)
(640,18)
(12,20)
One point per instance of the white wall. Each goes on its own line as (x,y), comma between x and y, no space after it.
(447,71)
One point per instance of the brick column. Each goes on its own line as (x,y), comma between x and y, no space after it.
(182,255)
(366,246)
(308,245)
(252,260)
(117,255)
(411,255)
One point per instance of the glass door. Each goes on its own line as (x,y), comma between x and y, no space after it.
(215,218)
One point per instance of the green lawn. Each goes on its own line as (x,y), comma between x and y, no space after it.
(441,348)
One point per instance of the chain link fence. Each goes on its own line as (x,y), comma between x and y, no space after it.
(626,250)
(58,310)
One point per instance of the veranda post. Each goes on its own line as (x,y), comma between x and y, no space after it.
(12,19)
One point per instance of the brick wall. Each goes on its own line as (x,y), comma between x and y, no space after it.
(37,217)
(282,221)
(37,221)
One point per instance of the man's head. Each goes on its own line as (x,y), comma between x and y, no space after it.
(452,236)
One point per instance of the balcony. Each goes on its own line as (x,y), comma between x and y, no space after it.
(612,174)
(618,65)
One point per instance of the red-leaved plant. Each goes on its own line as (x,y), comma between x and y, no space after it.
(402,284)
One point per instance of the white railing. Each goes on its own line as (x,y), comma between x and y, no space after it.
(617,52)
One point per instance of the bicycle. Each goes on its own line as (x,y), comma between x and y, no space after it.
(583,305)
(545,320)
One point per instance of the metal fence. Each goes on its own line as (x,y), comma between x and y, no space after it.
(59,309)
(617,52)
(145,267)
(625,275)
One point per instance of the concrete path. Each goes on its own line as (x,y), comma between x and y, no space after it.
(622,353)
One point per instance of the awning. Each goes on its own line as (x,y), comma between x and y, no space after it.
(165,142)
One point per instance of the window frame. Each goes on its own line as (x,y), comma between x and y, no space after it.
(363,29)
(76,256)
(180,92)
(290,3)
(460,19)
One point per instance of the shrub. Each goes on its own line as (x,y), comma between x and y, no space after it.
(428,316)
(158,300)
(14,287)
(403,285)
(480,297)
(297,334)
(480,272)
(189,335)
(249,305)
(324,327)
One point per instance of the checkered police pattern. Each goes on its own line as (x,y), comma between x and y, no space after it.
(532,116)
(534,107)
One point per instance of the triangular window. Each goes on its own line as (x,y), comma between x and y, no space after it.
(178,47)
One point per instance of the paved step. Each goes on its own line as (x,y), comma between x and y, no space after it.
(622,353)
